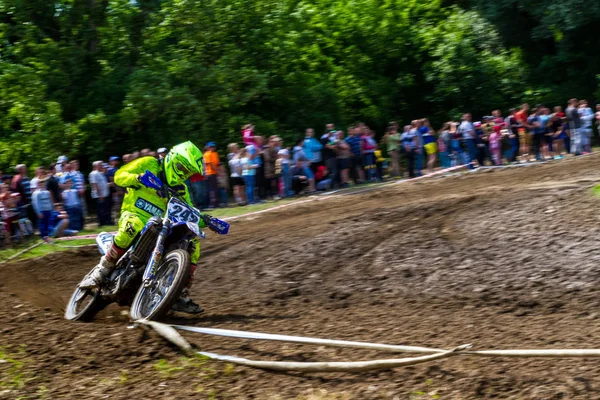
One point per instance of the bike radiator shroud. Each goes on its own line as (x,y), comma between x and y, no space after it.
(143,248)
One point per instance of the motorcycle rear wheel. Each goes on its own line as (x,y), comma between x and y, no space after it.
(154,301)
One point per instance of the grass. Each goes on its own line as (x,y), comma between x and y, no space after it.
(12,370)
(168,370)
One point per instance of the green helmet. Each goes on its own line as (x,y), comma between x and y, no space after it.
(183,161)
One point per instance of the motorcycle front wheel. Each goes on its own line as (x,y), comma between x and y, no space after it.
(154,300)
(84,304)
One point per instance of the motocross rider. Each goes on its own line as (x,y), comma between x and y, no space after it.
(141,203)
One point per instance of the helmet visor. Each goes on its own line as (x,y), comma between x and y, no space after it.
(186,173)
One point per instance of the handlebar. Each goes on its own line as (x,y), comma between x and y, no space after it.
(152,181)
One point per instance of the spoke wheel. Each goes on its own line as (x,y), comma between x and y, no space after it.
(84,304)
(155,299)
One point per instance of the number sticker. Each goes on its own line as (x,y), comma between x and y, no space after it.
(181,212)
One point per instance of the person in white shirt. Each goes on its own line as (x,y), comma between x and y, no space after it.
(40,172)
(100,192)
(235,166)
(41,200)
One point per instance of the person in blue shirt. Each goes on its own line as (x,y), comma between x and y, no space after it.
(409,141)
(355,142)
(538,131)
(467,131)
(312,149)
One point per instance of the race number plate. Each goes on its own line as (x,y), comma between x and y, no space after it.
(181,212)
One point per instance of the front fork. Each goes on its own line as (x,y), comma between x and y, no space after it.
(157,255)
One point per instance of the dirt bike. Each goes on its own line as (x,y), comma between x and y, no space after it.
(147,277)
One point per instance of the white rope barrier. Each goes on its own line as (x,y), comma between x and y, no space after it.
(306,340)
(170,333)
(340,366)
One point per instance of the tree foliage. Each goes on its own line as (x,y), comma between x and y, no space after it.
(93,77)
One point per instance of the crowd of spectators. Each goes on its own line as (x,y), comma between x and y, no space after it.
(54,200)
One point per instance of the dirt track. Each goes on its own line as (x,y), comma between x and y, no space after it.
(501,259)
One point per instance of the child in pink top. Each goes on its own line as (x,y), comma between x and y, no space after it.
(496,145)
(248,134)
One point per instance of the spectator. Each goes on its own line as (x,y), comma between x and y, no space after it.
(512,125)
(162,152)
(126,159)
(199,191)
(312,149)
(212,165)
(40,173)
(235,168)
(42,205)
(444,145)
(586,117)
(481,141)
(248,134)
(60,164)
(467,130)
(52,184)
(116,193)
(285,171)
(249,166)
(299,180)
(259,159)
(546,120)
(145,153)
(524,136)
(369,146)
(5,239)
(410,143)
(597,119)
(79,186)
(393,144)
(328,152)
(343,157)
(458,156)
(356,149)
(555,128)
(270,157)
(301,162)
(11,215)
(572,115)
(22,185)
(495,141)
(322,178)
(59,223)
(72,207)
(538,130)
(135,155)
(380,164)
(100,192)
(430,144)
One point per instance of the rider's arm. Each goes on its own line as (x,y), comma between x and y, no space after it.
(127,176)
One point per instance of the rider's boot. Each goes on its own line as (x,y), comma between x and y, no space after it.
(185,303)
(104,267)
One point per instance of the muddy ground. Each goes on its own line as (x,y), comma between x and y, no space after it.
(501,259)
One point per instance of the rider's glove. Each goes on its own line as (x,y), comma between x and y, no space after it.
(208,222)
(149,180)
(215,224)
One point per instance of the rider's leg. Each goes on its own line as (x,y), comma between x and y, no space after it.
(129,226)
